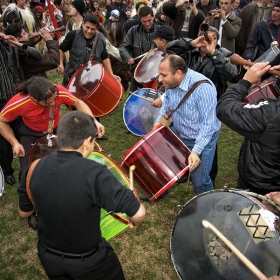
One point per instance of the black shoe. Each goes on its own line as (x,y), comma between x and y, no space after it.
(143,197)
(183,179)
(10,180)
(127,131)
(33,221)
(103,138)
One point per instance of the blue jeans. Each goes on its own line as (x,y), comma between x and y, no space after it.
(200,177)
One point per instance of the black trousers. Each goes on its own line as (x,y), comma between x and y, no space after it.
(102,265)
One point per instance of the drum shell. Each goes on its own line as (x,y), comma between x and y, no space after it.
(146,72)
(267,89)
(133,112)
(97,88)
(190,243)
(160,159)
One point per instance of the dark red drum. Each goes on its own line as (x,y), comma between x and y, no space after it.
(160,159)
(146,72)
(44,146)
(197,253)
(93,84)
(267,89)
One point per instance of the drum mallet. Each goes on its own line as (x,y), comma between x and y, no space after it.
(131,169)
(244,259)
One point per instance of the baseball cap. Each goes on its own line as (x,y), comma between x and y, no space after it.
(164,32)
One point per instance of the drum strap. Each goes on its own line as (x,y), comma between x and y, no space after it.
(94,45)
(51,120)
(28,178)
(170,112)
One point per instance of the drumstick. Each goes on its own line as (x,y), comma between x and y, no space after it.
(139,56)
(147,99)
(244,259)
(131,168)
(149,54)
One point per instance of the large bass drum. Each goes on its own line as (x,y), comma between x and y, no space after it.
(93,84)
(267,89)
(197,253)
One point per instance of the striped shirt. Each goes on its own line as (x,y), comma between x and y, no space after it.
(196,118)
(36,117)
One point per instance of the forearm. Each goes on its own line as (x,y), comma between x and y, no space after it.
(138,218)
(82,106)
(107,64)
(61,57)
(6,132)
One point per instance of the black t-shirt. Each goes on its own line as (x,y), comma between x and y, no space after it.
(68,191)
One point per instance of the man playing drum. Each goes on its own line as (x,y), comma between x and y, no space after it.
(68,191)
(195,121)
(259,161)
(84,44)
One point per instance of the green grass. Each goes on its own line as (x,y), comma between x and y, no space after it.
(143,252)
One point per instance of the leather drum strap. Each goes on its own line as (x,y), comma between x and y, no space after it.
(28,178)
(51,120)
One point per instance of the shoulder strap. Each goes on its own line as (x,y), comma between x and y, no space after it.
(270,32)
(170,113)
(28,178)
(94,43)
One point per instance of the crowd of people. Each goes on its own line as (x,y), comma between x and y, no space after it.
(197,40)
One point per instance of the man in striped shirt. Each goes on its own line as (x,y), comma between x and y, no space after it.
(195,121)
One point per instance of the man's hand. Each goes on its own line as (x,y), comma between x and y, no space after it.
(45,35)
(253,75)
(157,102)
(60,69)
(198,42)
(18,150)
(194,161)
(130,61)
(100,129)
(118,78)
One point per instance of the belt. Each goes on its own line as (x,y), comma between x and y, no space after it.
(67,255)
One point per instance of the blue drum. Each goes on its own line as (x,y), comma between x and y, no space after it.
(138,114)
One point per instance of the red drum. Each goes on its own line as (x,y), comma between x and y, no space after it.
(160,159)
(44,146)
(97,88)
(197,253)
(146,72)
(266,89)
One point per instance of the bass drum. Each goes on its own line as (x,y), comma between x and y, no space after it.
(267,89)
(93,84)
(197,253)
(138,114)
(1,182)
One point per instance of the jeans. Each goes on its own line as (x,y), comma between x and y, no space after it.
(201,176)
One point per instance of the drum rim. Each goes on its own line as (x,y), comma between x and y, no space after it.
(125,105)
(183,207)
(2,181)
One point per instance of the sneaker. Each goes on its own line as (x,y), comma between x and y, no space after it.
(33,221)
(183,179)
(143,197)
(103,138)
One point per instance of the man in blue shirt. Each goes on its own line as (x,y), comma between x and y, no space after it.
(195,122)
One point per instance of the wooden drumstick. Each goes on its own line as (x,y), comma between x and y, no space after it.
(244,259)
(131,169)
(147,99)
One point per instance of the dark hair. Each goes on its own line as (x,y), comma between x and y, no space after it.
(176,63)
(14,29)
(73,128)
(38,87)
(139,4)
(91,19)
(145,11)
(102,4)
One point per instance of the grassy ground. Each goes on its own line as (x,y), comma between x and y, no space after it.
(144,252)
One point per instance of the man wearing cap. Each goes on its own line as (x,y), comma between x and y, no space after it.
(119,6)
(209,59)
(76,11)
(162,36)
(138,41)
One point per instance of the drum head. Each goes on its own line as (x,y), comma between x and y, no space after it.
(147,68)
(1,182)
(197,253)
(138,114)
(43,147)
